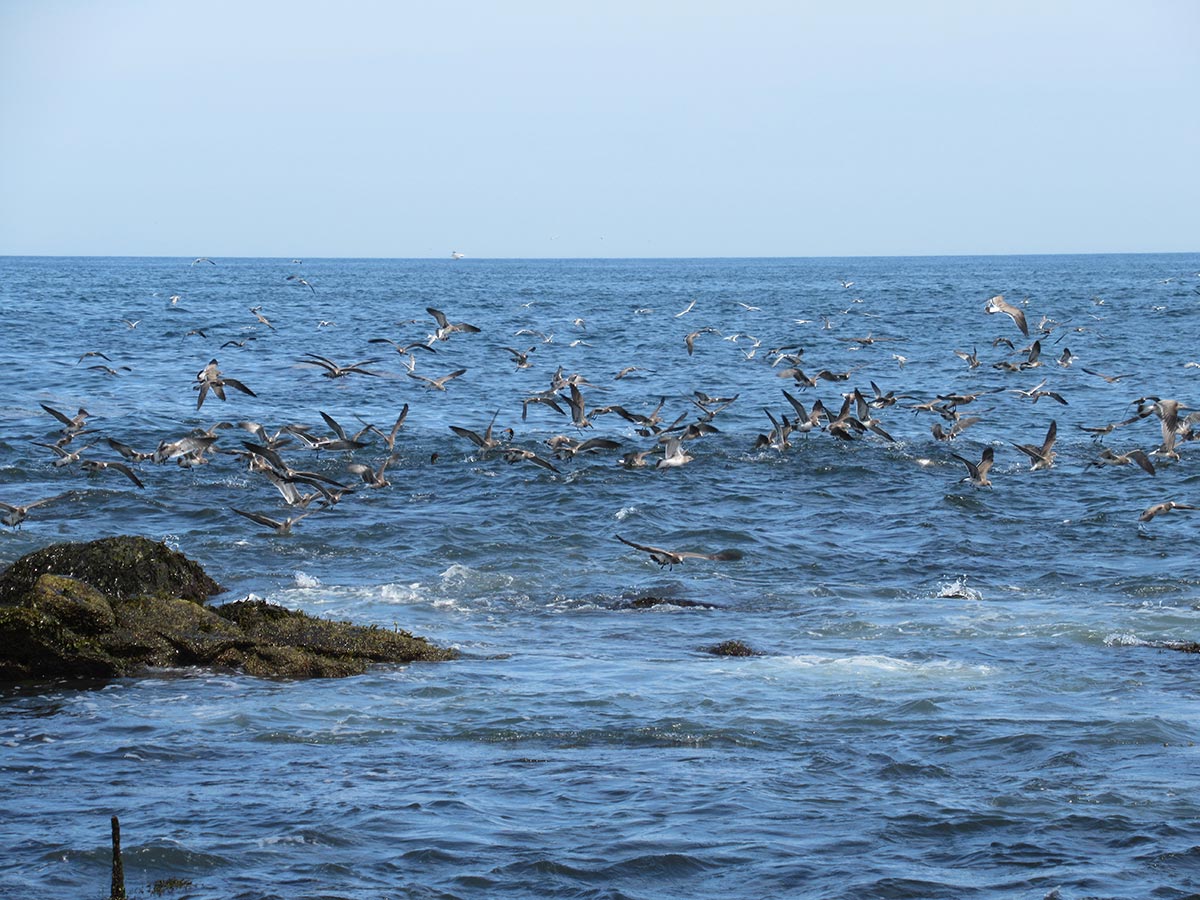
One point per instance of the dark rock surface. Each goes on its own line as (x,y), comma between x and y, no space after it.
(731,648)
(116,606)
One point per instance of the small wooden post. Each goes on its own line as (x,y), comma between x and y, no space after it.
(118,868)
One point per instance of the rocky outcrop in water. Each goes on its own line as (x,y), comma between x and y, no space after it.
(117,606)
(732,648)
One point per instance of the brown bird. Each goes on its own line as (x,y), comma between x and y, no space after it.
(16,514)
(98,465)
(263,319)
(1043,456)
(446,327)
(1151,511)
(519,357)
(690,339)
(300,281)
(672,558)
(210,378)
(437,384)
(278,526)
(485,442)
(959,426)
(1111,379)
(977,472)
(333,370)
(1111,458)
(971,359)
(373,478)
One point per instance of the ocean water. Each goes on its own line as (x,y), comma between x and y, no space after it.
(959,692)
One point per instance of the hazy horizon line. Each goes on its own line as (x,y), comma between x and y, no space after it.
(469,258)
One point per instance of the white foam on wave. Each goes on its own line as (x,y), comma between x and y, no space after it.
(456,573)
(403,593)
(1124,639)
(304,580)
(879,665)
(459,575)
(958,590)
(624,513)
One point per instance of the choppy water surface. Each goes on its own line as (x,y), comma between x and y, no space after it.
(959,692)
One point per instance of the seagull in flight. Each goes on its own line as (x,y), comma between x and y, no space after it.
(200,259)
(438,384)
(1158,508)
(978,472)
(998,304)
(280,527)
(257,310)
(1043,456)
(672,558)
(16,514)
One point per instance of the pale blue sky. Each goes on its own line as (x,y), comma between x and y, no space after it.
(525,129)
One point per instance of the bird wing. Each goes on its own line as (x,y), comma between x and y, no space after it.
(334,425)
(1140,457)
(1018,316)
(1051,434)
(645,548)
(54,412)
(468,434)
(126,471)
(399,422)
(720,556)
(237,385)
(257,517)
(985,462)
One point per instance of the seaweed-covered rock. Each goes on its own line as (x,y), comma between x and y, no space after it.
(78,606)
(328,648)
(731,648)
(1181,646)
(140,608)
(35,644)
(119,567)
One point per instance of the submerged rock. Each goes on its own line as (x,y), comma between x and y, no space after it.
(116,606)
(1181,646)
(732,648)
(651,602)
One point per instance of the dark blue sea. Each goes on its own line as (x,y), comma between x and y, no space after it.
(959,692)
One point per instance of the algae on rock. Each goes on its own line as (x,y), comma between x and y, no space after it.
(116,606)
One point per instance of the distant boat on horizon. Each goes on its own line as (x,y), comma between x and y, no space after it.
(454,254)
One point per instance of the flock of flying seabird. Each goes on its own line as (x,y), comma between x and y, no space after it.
(304,492)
